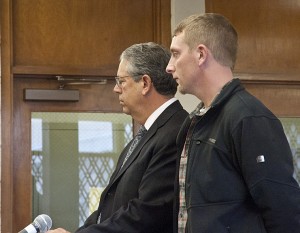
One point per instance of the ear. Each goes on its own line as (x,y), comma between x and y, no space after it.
(202,53)
(147,84)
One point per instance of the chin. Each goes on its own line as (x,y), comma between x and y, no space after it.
(125,110)
(181,90)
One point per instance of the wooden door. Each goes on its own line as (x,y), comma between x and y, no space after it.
(43,39)
(78,37)
(93,98)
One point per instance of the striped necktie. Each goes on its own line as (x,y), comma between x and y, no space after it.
(134,143)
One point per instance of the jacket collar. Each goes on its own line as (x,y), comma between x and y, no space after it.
(227,90)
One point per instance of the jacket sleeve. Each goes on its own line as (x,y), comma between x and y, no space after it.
(267,167)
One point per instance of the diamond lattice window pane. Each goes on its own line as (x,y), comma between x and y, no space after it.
(74,151)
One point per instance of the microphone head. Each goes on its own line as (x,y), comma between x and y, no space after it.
(43,222)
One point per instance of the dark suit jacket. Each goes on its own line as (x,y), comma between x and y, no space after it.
(139,196)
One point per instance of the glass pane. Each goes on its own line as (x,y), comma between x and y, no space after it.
(292,130)
(73,157)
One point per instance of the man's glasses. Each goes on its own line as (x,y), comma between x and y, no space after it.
(119,80)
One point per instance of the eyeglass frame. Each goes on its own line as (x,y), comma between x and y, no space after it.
(119,83)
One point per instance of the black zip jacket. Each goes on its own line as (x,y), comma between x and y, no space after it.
(240,172)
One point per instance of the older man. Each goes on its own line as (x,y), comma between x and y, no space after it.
(139,196)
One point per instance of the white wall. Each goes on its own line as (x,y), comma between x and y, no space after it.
(179,10)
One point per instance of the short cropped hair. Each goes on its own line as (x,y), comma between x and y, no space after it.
(214,31)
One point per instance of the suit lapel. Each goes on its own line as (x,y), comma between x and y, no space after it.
(160,121)
(136,151)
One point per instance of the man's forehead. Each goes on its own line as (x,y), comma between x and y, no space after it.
(177,42)
(122,66)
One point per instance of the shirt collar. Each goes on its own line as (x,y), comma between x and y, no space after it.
(157,112)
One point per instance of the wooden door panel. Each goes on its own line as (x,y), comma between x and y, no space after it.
(83,37)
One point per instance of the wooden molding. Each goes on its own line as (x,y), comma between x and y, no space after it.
(276,79)
(56,70)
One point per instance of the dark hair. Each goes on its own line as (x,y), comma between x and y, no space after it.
(151,59)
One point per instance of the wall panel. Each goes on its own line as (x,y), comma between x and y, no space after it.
(269,33)
(83,37)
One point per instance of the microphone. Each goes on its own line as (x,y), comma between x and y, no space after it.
(41,224)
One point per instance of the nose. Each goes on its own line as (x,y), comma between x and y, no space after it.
(170,68)
(117,89)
